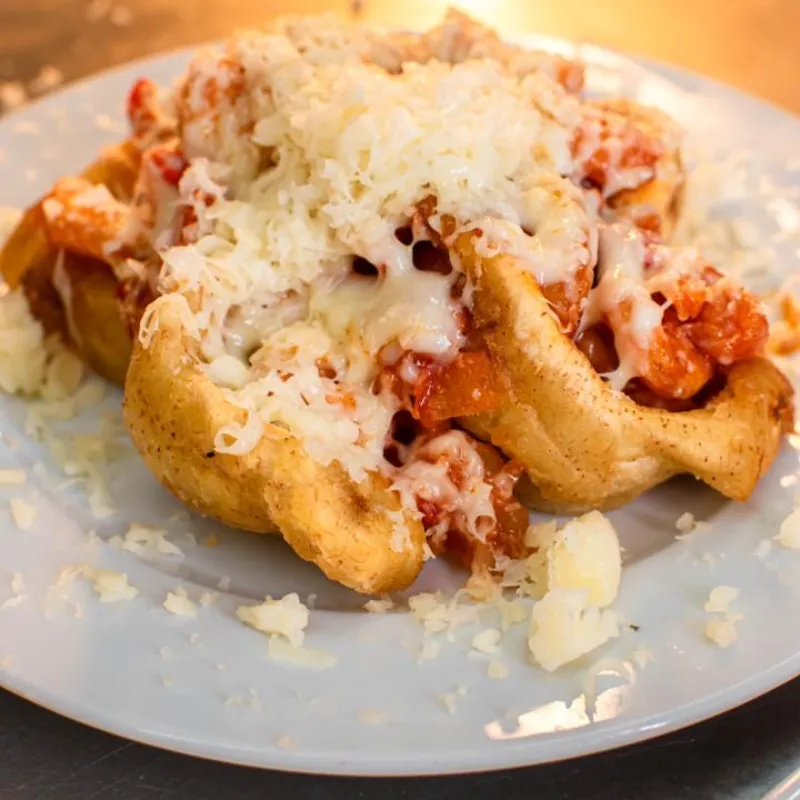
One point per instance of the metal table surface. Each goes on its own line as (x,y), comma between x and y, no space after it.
(737,756)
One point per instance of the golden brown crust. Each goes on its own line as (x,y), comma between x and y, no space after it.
(85,311)
(173,412)
(587,446)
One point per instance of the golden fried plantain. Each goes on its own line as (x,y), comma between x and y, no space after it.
(174,411)
(88,292)
(583,444)
(75,296)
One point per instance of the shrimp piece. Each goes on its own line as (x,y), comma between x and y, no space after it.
(148,119)
(723,320)
(611,153)
(730,327)
(673,316)
(212,108)
(653,346)
(629,155)
(84,218)
(673,366)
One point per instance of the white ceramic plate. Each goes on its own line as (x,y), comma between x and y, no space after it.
(379,711)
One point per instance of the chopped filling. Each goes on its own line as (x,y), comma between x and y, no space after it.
(301,195)
(662,323)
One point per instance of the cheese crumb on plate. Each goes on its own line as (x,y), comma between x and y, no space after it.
(585,554)
(720,598)
(497,670)
(487,641)
(373,716)
(564,627)
(177,602)
(789,535)
(12,477)
(287,617)
(279,649)
(145,540)
(721,632)
(110,586)
(23,513)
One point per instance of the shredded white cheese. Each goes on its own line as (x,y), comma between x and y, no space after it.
(438,615)
(789,534)
(720,598)
(110,586)
(281,650)
(487,641)
(497,670)
(287,617)
(23,513)
(585,554)
(177,602)
(564,627)
(721,631)
(145,540)
(379,606)
(292,189)
(208,598)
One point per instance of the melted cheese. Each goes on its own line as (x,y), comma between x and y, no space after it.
(307,147)
(561,239)
(411,308)
(622,285)
(465,504)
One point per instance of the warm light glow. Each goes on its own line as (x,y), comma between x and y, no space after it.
(501,14)
(585,709)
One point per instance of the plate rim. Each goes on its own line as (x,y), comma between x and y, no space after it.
(593,739)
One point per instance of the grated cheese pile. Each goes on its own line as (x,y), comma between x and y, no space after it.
(23,358)
(53,378)
(583,570)
(314,154)
(574,575)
